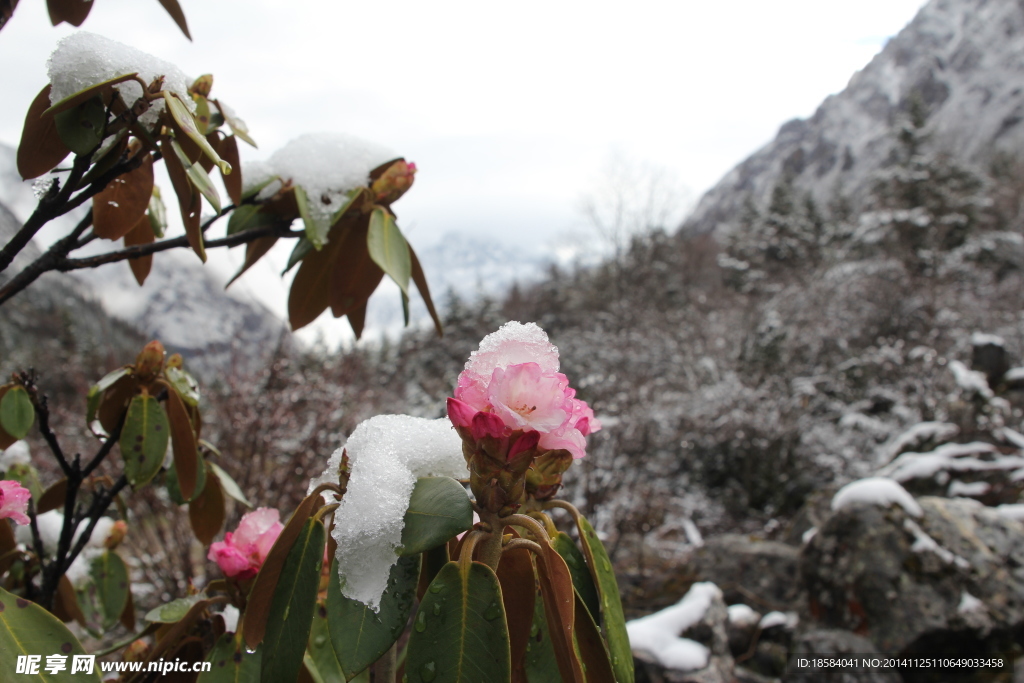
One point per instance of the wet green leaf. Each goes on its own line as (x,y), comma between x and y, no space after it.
(388,248)
(316,232)
(198,176)
(582,581)
(174,490)
(321,651)
(613,622)
(157,213)
(291,610)
(16,412)
(144,439)
(185,384)
(81,128)
(183,117)
(232,663)
(541,664)
(361,636)
(173,611)
(439,508)
(459,634)
(104,595)
(27,629)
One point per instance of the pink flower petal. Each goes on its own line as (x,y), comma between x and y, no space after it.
(14,501)
(461,414)
(487,424)
(570,440)
(525,397)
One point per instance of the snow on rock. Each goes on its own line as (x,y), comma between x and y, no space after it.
(15,454)
(327,166)
(969,603)
(950,457)
(983,339)
(806,537)
(971,489)
(971,381)
(84,59)
(1014,375)
(787,620)
(658,634)
(1011,511)
(918,435)
(693,535)
(387,453)
(923,543)
(875,491)
(743,615)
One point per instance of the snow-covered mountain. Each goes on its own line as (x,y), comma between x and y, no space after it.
(963,59)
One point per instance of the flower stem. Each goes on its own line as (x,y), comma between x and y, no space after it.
(490,548)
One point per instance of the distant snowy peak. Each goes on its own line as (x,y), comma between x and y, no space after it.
(963,58)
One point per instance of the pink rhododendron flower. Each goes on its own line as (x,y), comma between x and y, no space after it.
(242,552)
(512,384)
(14,501)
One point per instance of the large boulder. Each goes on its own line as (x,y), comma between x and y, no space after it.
(759,573)
(948,578)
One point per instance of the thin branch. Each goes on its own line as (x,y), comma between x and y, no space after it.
(532,546)
(46,262)
(138,251)
(105,448)
(43,413)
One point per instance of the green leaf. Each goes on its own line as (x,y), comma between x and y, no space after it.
(232,663)
(352,196)
(229,485)
(582,581)
(81,127)
(105,594)
(183,117)
(236,124)
(438,509)
(185,384)
(27,629)
(459,634)
(247,216)
(359,635)
(174,489)
(541,665)
(291,610)
(316,232)
(321,650)
(302,247)
(613,622)
(388,248)
(173,611)
(16,412)
(198,176)
(144,439)
(157,213)
(591,647)
(255,189)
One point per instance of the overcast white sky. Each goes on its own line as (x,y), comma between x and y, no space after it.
(510,110)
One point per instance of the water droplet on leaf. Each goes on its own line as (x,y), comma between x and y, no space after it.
(421,622)
(428,672)
(492,612)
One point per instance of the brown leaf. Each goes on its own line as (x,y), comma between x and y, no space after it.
(65,602)
(114,401)
(40,148)
(516,576)
(72,11)
(228,151)
(254,621)
(254,251)
(128,615)
(189,199)
(421,284)
(354,276)
(7,542)
(174,9)
(53,497)
(357,319)
(310,293)
(206,513)
(592,648)
(183,444)
(142,233)
(118,208)
(190,650)
(559,606)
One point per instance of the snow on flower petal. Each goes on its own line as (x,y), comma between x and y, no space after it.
(511,344)
(14,501)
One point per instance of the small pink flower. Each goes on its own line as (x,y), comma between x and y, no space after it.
(241,554)
(525,397)
(14,501)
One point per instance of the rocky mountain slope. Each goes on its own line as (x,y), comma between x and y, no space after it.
(963,59)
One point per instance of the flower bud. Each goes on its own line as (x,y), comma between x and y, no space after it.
(394,182)
(150,362)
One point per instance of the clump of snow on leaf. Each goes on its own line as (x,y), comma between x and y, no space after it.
(875,491)
(658,634)
(328,166)
(387,454)
(84,59)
